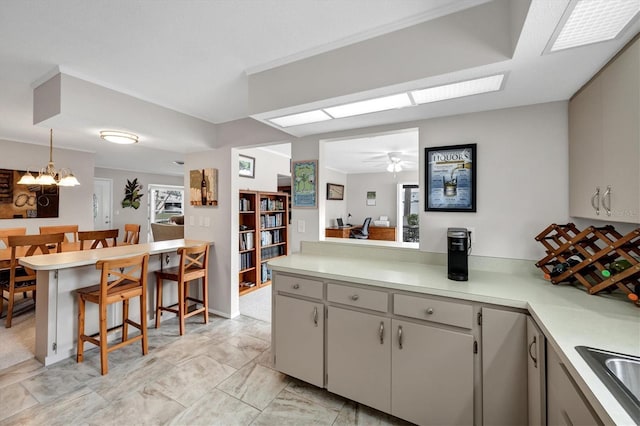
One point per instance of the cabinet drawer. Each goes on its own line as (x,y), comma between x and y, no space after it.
(300,286)
(363,298)
(450,313)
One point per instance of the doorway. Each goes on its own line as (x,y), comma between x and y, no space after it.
(102,203)
(409,212)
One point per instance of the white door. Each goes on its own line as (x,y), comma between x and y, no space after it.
(102,203)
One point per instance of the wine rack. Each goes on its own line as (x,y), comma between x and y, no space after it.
(596,247)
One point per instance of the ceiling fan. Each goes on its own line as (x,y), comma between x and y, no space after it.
(395,161)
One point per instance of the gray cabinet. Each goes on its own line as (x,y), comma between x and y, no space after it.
(359,357)
(298,336)
(565,403)
(536,375)
(431,374)
(604,142)
(504,367)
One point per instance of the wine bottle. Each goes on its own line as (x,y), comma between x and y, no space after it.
(203,189)
(561,267)
(616,267)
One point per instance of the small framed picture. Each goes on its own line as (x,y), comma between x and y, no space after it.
(371,198)
(247,166)
(335,191)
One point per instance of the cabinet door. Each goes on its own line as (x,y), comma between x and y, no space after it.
(565,403)
(432,375)
(536,374)
(299,339)
(359,357)
(621,158)
(504,367)
(585,150)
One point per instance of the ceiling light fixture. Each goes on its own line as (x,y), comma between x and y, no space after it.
(593,21)
(301,118)
(49,175)
(121,138)
(370,105)
(401,100)
(458,90)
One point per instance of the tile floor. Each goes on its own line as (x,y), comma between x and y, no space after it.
(216,374)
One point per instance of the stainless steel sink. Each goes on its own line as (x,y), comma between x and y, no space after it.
(620,373)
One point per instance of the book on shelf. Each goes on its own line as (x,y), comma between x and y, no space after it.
(246,241)
(271,252)
(268,204)
(246,261)
(265,273)
(247,284)
(271,220)
(245,205)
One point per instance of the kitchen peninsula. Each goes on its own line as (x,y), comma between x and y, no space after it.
(60,274)
(340,290)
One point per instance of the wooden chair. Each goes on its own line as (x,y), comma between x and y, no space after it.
(6,232)
(18,279)
(99,238)
(65,229)
(193,265)
(128,279)
(131,233)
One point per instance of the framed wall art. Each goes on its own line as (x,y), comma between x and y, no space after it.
(246,166)
(203,187)
(26,201)
(305,189)
(450,178)
(335,191)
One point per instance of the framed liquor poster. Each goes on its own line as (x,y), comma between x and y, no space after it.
(450,178)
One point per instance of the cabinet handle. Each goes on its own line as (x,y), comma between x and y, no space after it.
(381,332)
(535,360)
(355,297)
(607,197)
(400,336)
(296,286)
(429,311)
(315,316)
(595,201)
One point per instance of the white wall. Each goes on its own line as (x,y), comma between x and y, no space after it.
(75,202)
(386,187)
(223,295)
(308,224)
(522,178)
(267,167)
(335,208)
(140,216)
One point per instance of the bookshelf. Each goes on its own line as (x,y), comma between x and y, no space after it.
(263,235)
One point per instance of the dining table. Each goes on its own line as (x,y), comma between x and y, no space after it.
(5,253)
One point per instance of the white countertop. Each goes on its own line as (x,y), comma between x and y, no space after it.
(73,259)
(567,315)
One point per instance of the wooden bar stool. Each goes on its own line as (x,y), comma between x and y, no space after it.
(193,265)
(128,279)
(99,238)
(19,279)
(131,233)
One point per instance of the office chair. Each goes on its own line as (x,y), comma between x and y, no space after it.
(362,233)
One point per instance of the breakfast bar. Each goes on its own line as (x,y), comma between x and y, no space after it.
(60,274)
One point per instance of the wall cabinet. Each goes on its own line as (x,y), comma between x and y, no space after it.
(604,142)
(263,235)
(565,403)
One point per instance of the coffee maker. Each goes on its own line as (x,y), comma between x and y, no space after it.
(458,247)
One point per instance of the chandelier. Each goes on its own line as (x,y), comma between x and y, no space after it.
(49,175)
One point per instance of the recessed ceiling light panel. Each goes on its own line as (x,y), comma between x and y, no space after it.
(385,103)
(301,118)
(122,138)
(593,21)
(458,90)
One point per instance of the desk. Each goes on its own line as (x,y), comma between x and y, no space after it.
(385,233)
(335,232)
(60,274)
